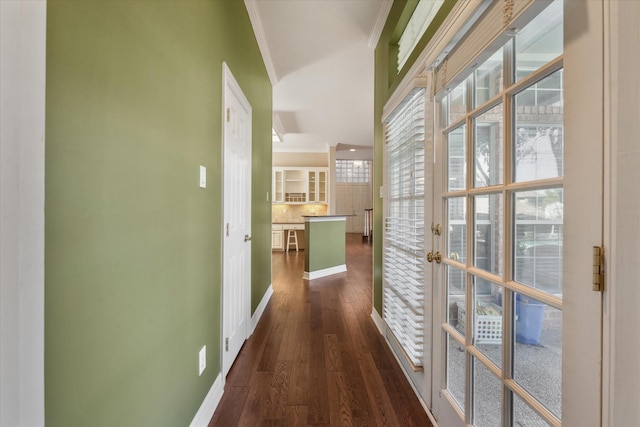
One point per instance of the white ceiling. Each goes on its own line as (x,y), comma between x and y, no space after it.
(320,58)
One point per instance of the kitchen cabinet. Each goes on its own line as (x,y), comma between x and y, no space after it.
(277,237)
(300,185)
(317,180)
(278,186)
(279,234)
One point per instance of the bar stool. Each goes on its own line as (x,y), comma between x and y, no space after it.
(292,239)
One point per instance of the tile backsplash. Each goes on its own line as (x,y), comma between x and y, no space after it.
(294,213)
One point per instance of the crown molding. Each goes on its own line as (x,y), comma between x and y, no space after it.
(383,13)
(258,30)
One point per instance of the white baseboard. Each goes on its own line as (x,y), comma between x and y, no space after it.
(324,272)
(209,405)
(380,324)
(260,309)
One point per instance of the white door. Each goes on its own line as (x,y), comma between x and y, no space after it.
(518,337)
(236,308)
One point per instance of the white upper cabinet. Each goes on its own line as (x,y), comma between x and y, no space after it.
(300,185)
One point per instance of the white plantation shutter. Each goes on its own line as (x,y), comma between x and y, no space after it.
(403,257)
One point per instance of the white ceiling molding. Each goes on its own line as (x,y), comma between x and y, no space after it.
(383,13)
(258,30)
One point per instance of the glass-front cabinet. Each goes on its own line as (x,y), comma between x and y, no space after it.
(278,187)
(313,185)
(322,186)
(300,185)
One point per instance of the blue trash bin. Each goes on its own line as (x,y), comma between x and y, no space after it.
(530,317)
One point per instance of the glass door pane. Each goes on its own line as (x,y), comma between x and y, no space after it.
(487,145)
(312,187)
(487,392)
(457,159)
(456,368)
(322,186)
(537,354)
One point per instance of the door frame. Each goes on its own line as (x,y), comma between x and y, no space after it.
(230,83)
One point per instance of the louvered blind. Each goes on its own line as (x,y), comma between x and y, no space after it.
(403,275)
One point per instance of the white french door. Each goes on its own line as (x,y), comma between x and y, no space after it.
(236,307)
(511,305)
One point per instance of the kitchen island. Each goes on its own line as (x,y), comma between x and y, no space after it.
(325,243)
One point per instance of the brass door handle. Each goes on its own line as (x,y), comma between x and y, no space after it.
(437,257)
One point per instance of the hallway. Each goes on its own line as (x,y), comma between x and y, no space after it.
(316,357)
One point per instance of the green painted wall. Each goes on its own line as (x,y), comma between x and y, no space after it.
(387,79)
(325,245)
(132,244)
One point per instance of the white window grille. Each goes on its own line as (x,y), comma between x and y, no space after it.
(403,275)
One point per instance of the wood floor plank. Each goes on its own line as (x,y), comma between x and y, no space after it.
(354,383)
(252,410)
(273,407)
(318,393)
(297,416)
(378,398)
(299,382)
(332,353)
(234,399)
(339,404)
(272,346)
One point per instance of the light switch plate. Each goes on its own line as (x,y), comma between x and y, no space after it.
(203,177)
(202,360)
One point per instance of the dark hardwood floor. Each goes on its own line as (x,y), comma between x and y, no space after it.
(316,357)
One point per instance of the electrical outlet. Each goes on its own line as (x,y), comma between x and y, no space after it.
(202,360)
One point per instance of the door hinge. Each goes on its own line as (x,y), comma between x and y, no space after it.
(598,269)
(227,229)
(228,115)
(226,344)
